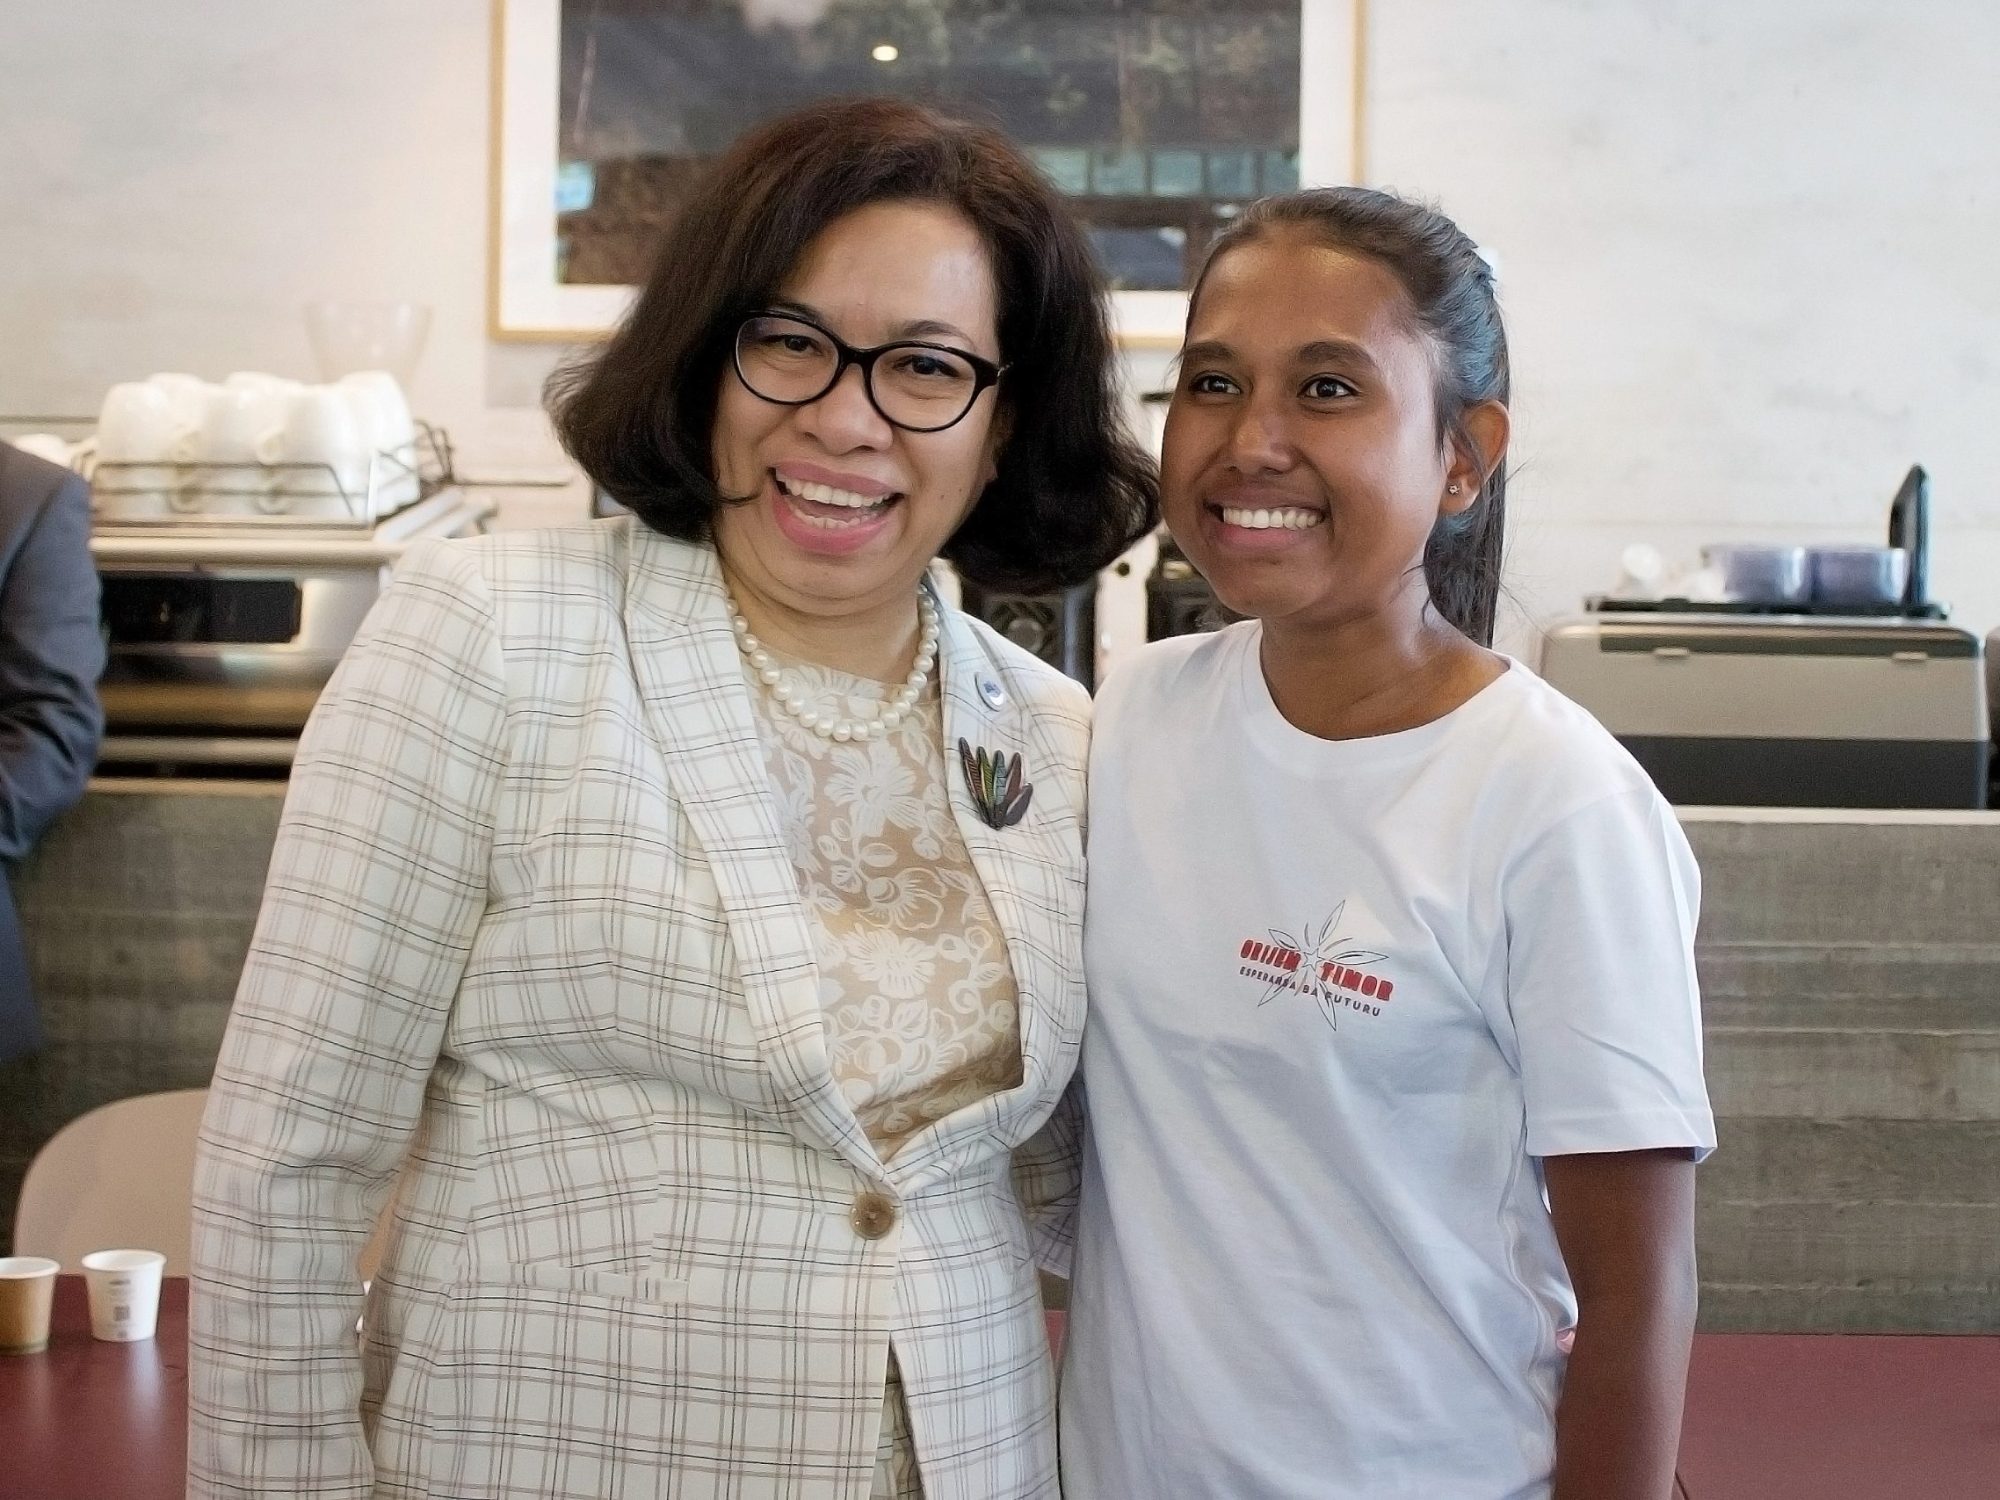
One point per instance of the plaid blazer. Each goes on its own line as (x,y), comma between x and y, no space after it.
(532,952)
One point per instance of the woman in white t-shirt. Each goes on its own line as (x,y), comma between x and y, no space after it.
(1394,1062)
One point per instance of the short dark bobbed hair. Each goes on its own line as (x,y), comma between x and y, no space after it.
(1072,489)
(1450,287)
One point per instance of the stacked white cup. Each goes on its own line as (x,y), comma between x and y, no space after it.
(325,453)
(389,435)
(243,431)
(145,437)
(256,444)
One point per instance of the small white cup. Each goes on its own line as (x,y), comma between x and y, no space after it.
(378,391)
(243,429)
(143,436)
(124,1290)
(188,393)
(137,424)
(320,431)
(382,414)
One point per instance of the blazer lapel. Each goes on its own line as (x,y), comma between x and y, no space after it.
(685,659)
(981,708)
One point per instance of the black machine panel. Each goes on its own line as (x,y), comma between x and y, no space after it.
(1698,772)
(1060,628)
(145,609)
(1178,599)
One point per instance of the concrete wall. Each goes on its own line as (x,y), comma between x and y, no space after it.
(1746,249)
(1851,991)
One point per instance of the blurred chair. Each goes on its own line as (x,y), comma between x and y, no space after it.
(122,1177)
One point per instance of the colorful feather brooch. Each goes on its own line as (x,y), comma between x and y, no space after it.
(999,787)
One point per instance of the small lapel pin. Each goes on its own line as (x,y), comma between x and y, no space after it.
(1000,788)
(990,690)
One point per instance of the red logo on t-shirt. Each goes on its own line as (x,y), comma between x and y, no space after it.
(1320,964)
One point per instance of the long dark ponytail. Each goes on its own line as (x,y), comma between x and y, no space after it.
(1451,287)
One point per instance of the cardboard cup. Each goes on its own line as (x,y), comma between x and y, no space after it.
(27,1292)
(124,1293)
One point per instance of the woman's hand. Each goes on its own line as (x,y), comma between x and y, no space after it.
(1625,1221)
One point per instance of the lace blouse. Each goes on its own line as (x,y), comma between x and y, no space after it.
(915,983)
(922,1014)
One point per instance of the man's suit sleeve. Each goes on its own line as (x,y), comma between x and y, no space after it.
(51,655)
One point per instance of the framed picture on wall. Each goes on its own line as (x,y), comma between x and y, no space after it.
(1158,118)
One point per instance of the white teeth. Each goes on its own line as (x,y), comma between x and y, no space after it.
(826,494)
(1284,519)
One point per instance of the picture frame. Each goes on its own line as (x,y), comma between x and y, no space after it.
(529,302)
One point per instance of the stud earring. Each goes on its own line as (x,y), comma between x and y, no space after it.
(1451,489)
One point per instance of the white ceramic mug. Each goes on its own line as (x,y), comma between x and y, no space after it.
(188,393)
(143,437)
(124,1287)
(243,430)
(388,432)
(320,431)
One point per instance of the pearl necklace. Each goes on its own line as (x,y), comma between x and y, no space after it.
(831,726)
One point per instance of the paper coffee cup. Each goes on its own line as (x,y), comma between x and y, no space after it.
(124,1293)
(27,1292)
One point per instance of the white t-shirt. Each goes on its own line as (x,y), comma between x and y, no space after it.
(1343,995)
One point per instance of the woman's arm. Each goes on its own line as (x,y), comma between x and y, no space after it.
(376,887)
(1625,1221)
(1603,1003)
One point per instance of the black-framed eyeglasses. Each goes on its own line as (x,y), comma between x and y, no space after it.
(789,360)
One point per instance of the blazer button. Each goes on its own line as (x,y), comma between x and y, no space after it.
(872,1216)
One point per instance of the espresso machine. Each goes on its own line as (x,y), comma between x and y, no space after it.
(223,621)
(1873,702)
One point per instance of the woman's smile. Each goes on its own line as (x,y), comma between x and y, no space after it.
(828,512)
(1262,519)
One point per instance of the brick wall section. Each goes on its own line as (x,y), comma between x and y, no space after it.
(1851,973)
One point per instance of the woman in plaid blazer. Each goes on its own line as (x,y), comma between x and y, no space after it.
(540,951)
